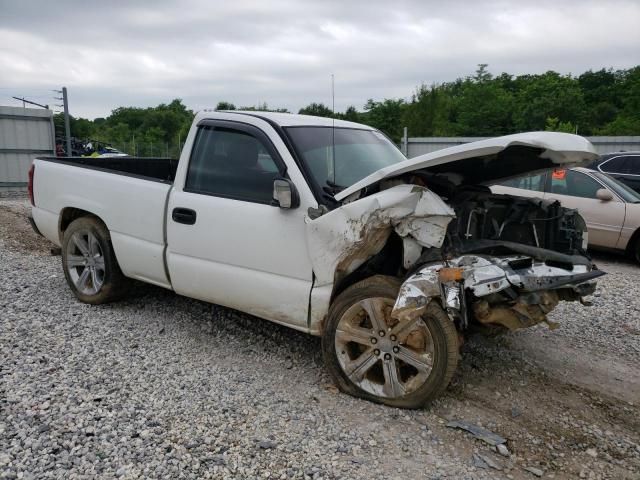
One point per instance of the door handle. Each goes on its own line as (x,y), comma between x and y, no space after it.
(184,215)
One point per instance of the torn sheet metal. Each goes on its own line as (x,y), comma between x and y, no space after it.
(343,239)
(416,293)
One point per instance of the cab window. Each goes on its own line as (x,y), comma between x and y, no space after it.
(231,163)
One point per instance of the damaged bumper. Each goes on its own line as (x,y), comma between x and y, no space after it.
(513,292)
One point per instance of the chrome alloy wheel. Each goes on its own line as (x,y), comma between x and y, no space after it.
(85,262)
(379,355)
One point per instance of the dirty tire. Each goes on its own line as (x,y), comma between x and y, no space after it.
(440,328)
(105,282)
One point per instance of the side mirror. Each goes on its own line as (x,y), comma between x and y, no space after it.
(285,194)
(604,195)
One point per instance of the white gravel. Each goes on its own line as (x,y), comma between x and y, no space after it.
(166,387)
(161,386)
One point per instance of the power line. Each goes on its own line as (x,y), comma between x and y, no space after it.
(24,100)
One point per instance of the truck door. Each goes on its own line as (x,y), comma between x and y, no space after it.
(227,242)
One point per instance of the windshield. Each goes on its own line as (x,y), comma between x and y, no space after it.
(339,157)
(627,193)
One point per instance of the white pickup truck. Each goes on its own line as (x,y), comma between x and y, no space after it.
(324,226)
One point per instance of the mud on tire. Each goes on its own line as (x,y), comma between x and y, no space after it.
(403,366)
(89,262)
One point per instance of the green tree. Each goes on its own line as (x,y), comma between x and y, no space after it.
(627,121)
(385,116)
(549,95)
(225,106)
(351,114)
(555,125)
(484,107)
(316,109)
(431,111)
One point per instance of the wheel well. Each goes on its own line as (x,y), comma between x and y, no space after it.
(386,262)
(70,214)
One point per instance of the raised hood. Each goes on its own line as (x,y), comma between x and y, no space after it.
(491,160)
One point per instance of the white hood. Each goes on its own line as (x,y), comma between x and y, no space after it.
(482,162)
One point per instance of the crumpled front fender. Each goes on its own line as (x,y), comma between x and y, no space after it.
(343,239)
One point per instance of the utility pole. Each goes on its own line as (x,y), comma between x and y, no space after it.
(65,105)
(67,127)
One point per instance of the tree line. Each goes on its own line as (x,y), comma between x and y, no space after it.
(603,102)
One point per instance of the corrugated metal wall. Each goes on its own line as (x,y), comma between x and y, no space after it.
(25,133)
(420,146)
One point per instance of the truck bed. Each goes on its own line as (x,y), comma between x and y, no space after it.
(151,168)
(128,194)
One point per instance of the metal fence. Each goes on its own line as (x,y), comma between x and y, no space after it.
(142,149)
(412,147)
(25,133)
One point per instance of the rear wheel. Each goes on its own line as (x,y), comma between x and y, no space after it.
(89,262)
(372,356)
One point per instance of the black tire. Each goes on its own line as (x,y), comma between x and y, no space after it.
(635,250)
(112,284)
(439,325)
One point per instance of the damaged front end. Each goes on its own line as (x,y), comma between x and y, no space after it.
(510,292)
(490,259)
(506,262)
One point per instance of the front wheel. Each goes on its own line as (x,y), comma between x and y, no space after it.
(372,356)
(89,262)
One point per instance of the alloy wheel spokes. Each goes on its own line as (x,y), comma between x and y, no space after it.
(75,261)
(81,244)
(421,362)
(82,283)
(405,327)
(85,263)
(349,333)
(383,360)
(375,311)
(357,369)
(94,246)
(393,387)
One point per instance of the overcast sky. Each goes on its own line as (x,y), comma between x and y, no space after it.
(133,53)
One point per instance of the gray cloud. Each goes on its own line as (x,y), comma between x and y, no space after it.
(282,52)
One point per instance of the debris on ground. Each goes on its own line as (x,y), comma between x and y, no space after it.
(480,433)
(536,471)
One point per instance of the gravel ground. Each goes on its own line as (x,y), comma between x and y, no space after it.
(161,386)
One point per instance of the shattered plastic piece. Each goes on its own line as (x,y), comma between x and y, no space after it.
(478,432)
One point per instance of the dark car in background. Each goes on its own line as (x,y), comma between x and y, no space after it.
(623,166)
